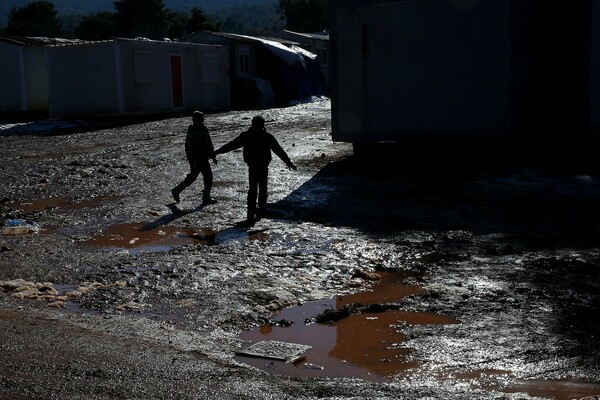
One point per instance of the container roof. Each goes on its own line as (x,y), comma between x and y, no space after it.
(37,40)
(287,50)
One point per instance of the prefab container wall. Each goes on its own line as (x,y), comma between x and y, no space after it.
(481,68)
(23,79)
(136,77)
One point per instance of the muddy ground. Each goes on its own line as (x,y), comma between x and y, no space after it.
(123,294)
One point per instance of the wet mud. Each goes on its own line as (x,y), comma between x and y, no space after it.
(424,273)
(355,336)
(59,203)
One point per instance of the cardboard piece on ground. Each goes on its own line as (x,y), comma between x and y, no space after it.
(275,350)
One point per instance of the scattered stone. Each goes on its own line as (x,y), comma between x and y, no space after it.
(273,306)
(356,282)
(92,285)
(366,275)
(186,303)
(318,295)
(21,289)
(13,284)
(23,294)
(331,316)
(284,323)
(131,306)
(283,298)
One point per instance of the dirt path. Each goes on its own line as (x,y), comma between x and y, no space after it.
(141,298)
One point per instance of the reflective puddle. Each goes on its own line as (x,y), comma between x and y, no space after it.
(138,237)
(133,238)
(371,345)
(367,345)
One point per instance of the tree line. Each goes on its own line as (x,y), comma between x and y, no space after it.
(151,19)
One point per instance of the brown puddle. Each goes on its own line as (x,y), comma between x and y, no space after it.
(368,345)
(134,239)
(371,346)
(139,237)
(66,203)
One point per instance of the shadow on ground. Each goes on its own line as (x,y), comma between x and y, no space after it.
(414,187)
(175,214)
(545,203)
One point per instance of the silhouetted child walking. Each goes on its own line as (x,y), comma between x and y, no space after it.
(198,149)
(257,144)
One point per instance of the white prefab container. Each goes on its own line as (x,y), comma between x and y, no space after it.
(23,79)
(126,76)
(482,68)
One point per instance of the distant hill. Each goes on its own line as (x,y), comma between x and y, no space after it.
(85,7)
